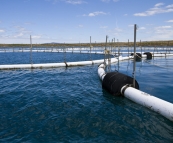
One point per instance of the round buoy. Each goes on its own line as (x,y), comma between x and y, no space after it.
(114,81)
(138,56)
(149,55)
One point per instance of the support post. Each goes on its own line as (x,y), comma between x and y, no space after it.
(105,50)
(141,47)
(90,48)
(64,51)
(128,47)
(109,60)
(114,46)
(80,47)
(134,54)
(168,47)
(31,51)
(118,54)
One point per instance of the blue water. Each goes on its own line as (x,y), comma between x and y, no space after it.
(44,57)
(69,104)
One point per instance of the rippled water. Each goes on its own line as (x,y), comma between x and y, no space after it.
(69,104)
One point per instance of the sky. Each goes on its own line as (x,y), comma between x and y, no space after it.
(74,21)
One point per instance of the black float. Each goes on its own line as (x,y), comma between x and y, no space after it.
(138,56)
(149,55)
(114,81)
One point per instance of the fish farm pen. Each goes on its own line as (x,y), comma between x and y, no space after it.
(87,92)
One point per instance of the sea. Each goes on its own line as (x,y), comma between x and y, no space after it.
(68,104)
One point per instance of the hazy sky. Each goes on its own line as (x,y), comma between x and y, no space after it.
(74,21)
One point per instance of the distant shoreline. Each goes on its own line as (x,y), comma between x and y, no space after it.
(103,44)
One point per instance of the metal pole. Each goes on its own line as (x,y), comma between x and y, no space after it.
(109,61)
(128,47)
(111,46)
(31,50)
(118,54)
(105,50)
(90,48)
(168,46)
(134,59)
(141,47)
(114,46)
(64,51)
(95,46)
(80,47)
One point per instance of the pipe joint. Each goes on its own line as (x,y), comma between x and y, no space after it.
(125,87)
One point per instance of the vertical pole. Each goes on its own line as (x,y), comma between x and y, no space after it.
(128,55)
(105,50)
(90,48)
(64,51)
(141,48)
(109,61)
(95,48)
(80,47)
(114,44)
(128,47)
(118,55)
(168,47)
(134,59)
(31,51)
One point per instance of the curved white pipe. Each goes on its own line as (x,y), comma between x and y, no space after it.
(30,66)
(80,63)
(101,71)
(158,105)
(53,65)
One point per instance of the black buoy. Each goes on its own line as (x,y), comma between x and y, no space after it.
(114,81)
(138,56)
(149,55)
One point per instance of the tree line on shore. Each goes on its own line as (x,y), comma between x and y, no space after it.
(101,44)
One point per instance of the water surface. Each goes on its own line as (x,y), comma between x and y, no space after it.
(69,104)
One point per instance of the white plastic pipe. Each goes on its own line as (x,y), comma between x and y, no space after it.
(53,65)
(80,63)
(30,66)
(144,56)
(161,55)
(158,105)
(101,71)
